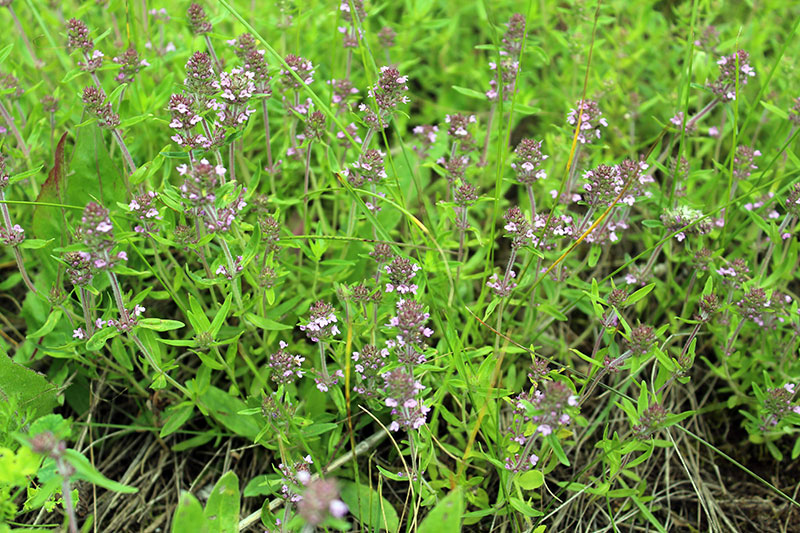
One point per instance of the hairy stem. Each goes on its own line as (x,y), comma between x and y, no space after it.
(9,120)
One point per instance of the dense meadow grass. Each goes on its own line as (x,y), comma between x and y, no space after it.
(415,265)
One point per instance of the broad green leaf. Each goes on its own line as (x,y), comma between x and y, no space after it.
(368,506)
(531,480)
(222,509)
(446,516)
(189,516)
(29,389)
(225,408)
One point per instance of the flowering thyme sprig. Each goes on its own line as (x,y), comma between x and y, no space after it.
(734,70)
(200,25)
(12,234)
(129,64)
(321,328)
(367,364)
(286,367)
(778,403)
(401,392)
(410,340)
(591,119)
(388,92)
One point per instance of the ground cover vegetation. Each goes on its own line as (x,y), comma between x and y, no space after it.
(421,265)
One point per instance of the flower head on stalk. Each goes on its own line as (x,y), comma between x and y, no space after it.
(733,69)
(244,45)
(292,478)
(78,36)
(12,236)
(591,119)
(368,168)
(401,271)
(426,134)
(388,92)
(743,161)
(528,166)
(184,119)
(368,364)
(518,228)
(286,367)
(320,501)
(198,20)
(412,332)
(79,271)
(465,196)
(143,206)
(351,129)
(130,64)
(94,101)
(686,221)
(386,37)
(200,184)
(777,404)
(10,83)
(553,406)
(236,88)
(200,78)
(794,112)
(650,422)
(547,233)
(401,393)
(97,234)
(300,66)
(322,323)
(343,91)
(514,35)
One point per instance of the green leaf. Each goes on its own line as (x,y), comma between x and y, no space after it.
(160,324)
(472,93)
(225,408)
(49,222)
(594,255)
(221,315)
(49,324)
(84,470)
(523,507)
(523,109)
(100,337)
(775,110)
(94,174)
(189,516)
(265,323)
(369,507)
(29,389)
(319,429)
(531,480)
(5,51)
(446,516)
(555,444)
(222,509)
(176,417)
(35,244)
(638,295)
